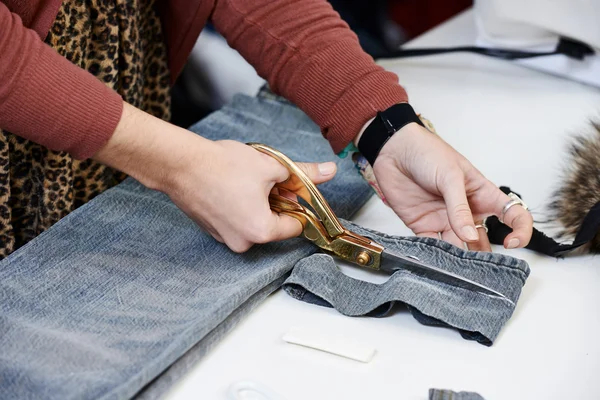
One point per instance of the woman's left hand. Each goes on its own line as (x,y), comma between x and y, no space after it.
(434,189)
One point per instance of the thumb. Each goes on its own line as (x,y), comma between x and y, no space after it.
(319,172)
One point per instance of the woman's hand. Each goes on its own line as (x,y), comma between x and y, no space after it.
(223,186)
(228,195)
(434,189)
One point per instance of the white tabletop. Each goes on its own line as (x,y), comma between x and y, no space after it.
(512,123)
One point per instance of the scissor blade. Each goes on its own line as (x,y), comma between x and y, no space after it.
(391,263)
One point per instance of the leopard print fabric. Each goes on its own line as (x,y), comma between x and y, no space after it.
(121,43)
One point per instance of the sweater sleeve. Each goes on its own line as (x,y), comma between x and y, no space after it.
(48,100)
(309,55)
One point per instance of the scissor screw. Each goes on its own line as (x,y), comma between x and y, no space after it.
(363,258)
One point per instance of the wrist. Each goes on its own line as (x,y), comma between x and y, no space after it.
(150,150)
(381,129)
(362,130)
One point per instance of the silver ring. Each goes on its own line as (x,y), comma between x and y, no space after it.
(439,235)
(514,201)
(482,224)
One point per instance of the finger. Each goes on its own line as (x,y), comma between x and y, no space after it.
(517,217)
(433,235)
(450,237)
(208,229)
(283,227)
(319,172)
(521,221)
(287,194)
(284,193)
(483,244)
(239,245)
(277,172)
(459,212)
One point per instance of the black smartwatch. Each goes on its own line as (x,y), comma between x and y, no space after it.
(381,129)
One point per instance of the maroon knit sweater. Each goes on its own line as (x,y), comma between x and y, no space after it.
(301,47)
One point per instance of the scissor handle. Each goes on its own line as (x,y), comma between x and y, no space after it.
(300,184)
(348,246)
(323,229)
(313,229)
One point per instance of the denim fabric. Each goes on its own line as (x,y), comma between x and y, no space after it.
(162,384)
(123,295)
(440,394)
(118,291)
(317,280)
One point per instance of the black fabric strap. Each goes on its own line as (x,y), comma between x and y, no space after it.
(381,129)
(568,47)
(542,243)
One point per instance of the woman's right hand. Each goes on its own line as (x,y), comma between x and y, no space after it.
(226,189)
(223,185)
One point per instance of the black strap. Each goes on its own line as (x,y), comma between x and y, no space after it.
(542,243)
(383,127)
(567,47)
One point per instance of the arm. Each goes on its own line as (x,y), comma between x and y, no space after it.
(48,100)
(310,56)
(222,185)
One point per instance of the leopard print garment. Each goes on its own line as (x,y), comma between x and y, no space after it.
(120,42)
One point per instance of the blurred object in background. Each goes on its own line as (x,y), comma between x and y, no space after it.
(383,25)
(418,16)
(212,56)
(539,25)
(370,20)
(215,72)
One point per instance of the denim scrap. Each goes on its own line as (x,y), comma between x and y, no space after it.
(477,316)
(125,294)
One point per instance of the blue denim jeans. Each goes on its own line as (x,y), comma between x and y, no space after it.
(119,298)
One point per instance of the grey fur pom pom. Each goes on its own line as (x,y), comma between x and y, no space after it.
(579,189)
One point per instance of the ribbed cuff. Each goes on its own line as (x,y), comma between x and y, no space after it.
(340,87)
(358,105)
(61,106)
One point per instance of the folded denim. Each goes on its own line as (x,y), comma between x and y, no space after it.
(441,394)
(122,296)
(116,293)
(163,383)
(477,316)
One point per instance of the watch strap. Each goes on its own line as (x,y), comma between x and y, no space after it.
(383,127)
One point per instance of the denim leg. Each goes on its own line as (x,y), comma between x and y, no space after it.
(317,280)
(161,384)
(114,294)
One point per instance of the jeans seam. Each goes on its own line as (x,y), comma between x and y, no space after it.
(425,242)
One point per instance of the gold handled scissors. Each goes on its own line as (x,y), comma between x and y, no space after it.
(323,228)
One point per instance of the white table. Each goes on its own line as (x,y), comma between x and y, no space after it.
(489,110)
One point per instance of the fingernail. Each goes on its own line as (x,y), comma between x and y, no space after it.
(470,233)
(327,168)
(513,243)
